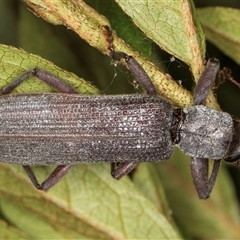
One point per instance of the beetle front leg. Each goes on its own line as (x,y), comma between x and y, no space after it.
(206,82)
(120,169)
(58,173)
(199,171)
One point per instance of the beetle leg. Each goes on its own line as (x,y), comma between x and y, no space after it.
(58,173)
(199,171)
(45,76)
(206,81)
(135,68)
(120,169)
(199,166)
(32,176)
(138,72)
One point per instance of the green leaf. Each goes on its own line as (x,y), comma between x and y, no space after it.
(124,26)
(14,62)
(88,24)
(172,25)
(77,16)
(87,204)
(214,218)
(221,26)
(37,36)
(88,201)
(146,178)
(9,232)
(67,50)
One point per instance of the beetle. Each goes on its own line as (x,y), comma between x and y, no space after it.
(67,128)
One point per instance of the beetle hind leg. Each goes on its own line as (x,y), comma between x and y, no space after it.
(120,169)
(58,173)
